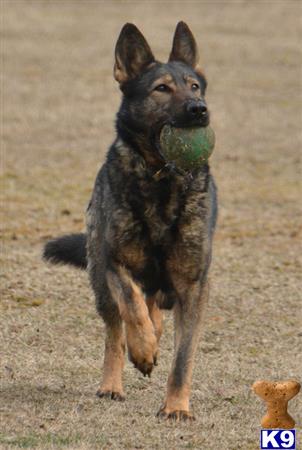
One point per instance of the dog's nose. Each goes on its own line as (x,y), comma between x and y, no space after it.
(197,109)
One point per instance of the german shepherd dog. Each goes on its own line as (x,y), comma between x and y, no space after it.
(149,225)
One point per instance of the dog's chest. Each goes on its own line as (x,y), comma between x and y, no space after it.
(162,205)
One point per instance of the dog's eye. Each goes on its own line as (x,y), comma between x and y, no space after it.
(162,88)
(195,87)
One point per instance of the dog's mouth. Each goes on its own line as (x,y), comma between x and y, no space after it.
(200,123)
(184,149)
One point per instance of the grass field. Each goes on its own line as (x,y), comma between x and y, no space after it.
(58,105)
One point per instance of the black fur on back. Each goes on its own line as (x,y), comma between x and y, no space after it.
(69,249)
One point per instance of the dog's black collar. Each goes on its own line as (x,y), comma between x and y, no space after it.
(166,170)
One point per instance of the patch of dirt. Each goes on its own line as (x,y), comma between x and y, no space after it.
(59,101)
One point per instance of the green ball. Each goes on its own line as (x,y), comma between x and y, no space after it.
(187,148)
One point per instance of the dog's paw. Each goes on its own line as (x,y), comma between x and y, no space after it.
(142,350)
(113,395)
(176,415)
(144,366)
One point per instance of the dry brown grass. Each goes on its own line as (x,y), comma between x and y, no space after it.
(59,102)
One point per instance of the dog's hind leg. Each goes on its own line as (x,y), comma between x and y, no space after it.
(140,331)
(111,385)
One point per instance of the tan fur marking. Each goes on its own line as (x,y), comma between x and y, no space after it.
(111,384)
(118,73)
(190,80)
(167,80)
(187,321)
(133,256)
(177,399)
(156,317)
(140,333)
(199,71)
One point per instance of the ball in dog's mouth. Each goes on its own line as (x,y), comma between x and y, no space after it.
(187,148)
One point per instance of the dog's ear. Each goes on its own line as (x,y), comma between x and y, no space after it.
(184,47)
(132,54)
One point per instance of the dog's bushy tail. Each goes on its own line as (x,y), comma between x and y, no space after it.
(69,249)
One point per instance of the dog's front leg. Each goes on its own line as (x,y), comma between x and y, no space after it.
(140,332)
(111,386)
(188,314)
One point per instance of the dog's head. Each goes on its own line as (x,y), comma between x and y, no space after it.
(155,93)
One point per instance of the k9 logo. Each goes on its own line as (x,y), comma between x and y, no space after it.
(271,439)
